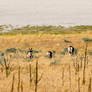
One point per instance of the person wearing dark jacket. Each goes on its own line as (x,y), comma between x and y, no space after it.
(50,54)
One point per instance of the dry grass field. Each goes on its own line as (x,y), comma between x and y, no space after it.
(62,73)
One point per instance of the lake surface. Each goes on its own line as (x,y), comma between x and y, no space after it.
(46,12)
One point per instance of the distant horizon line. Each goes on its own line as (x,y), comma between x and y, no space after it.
(21,25)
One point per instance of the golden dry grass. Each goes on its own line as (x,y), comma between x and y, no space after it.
(51,80)
(43,42)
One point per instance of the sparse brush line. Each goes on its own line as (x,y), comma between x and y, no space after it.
(46,30)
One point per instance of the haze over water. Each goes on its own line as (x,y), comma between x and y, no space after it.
(46,12)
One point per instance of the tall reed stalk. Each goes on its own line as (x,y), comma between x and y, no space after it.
(70,75)
(21,86)
(85,56)
(6,67)
(30,74)
(18,88)
(78,84)
(89,86)
(85,61)
(36,76)
(63,77)
(13,80)
(81,60)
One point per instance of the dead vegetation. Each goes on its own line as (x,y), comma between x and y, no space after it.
(71,74)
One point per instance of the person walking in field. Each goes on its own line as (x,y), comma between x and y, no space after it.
(71,50)
(30,53)
(50,54)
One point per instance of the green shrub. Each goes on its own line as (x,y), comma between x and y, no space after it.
(66,41)
(87,40)
(90,52)
(36,51)
(64,51)
(56,61)
(9,50)
(1,53)
(26,50)
(2,59)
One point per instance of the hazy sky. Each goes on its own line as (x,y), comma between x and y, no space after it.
(46,12)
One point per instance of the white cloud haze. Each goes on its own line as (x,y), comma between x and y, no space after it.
(46,12)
